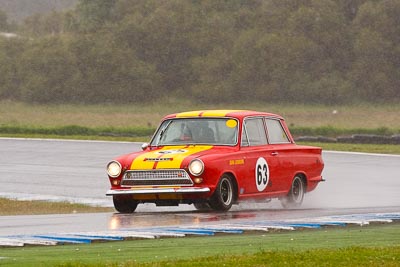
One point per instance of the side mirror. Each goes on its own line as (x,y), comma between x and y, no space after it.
(145,145)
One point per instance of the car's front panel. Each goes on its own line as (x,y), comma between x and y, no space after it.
(169,170)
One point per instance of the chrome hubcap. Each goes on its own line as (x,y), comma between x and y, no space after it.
(226,191)
(297,190)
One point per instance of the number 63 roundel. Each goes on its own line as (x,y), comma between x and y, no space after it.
(262,174)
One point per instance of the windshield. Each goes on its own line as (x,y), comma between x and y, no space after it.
(214,131)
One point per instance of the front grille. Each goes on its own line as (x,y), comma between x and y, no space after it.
(157,178)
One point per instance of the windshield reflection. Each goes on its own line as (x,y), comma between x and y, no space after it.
(213,131)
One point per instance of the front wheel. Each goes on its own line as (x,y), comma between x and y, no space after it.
(296,194)
(124,204)
(224,195)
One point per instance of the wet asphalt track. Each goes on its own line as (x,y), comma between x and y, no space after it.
(75,171)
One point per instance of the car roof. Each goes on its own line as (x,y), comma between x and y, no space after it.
(239,114)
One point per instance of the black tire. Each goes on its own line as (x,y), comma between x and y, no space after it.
(296,194)
(124,204)
(224,194)
(202,206)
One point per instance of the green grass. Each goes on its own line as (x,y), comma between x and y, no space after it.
(374,245)
(71,130)
(129,132)
(16,207)
(137,122)
(149,115)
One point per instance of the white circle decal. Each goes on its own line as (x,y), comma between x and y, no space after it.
(262,174)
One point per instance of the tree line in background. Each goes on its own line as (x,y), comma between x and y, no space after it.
(126,51)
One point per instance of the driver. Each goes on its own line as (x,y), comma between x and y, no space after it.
(186,133)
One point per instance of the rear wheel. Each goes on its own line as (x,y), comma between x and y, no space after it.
(224,194)
(124,204)
(296,194)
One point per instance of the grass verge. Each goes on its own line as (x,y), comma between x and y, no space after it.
(137,122)
(363,116)
(16,207)
(374,245)
(142,132)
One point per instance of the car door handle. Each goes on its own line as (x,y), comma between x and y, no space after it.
(274,153)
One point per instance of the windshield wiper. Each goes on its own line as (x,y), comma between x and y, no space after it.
(162,132)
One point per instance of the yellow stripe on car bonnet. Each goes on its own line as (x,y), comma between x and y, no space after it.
(174,155)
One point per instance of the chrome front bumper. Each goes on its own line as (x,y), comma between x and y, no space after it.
(192,190)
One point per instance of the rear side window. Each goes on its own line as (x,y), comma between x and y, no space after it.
(276,134)
(254,132)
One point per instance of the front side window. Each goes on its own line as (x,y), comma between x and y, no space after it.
(181,131)
(254,132)
(276,134)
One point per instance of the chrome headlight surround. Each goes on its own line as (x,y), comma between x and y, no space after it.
(196,167)
(114,169)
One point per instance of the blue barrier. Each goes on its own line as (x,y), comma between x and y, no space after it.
(204,230)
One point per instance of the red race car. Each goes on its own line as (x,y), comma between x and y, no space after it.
(213,159)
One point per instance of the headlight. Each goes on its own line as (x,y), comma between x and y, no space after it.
(114,169)
(196,167)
